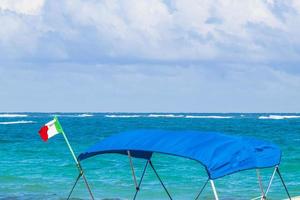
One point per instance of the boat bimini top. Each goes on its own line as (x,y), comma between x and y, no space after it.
(220,154)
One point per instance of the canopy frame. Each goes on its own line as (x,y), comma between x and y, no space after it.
(263,195)
(202,189)
(137,186)
(141,179)
(143,144)
(81,174)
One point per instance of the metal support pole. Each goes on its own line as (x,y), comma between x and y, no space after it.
(214,189)
(140,182)
(260,185)
(287,192)
(78,177)
(201,189)
(160,180)
(132,170)
(256,198)
(271,180)
(78,165)
(88,187)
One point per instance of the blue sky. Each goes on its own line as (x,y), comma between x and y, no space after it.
(150,56)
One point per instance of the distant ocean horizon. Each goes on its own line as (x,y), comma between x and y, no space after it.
(33,169)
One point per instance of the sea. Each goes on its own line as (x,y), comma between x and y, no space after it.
(33,169)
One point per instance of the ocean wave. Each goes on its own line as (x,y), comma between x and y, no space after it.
(71,115)
(165,115)
(4,115)
(85,115)
(122,116)
(279,117)
(18,122)
(208,117)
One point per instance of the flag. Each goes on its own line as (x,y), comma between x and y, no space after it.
(53,128)
(50,129)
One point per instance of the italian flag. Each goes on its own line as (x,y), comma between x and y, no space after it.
(50,129)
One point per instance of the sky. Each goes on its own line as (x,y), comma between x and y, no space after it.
(149,56)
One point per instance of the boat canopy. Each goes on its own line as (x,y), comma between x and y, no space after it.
(220,154)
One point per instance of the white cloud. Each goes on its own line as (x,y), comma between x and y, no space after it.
(22,6)
(150,55)
(149,31)
(152,30)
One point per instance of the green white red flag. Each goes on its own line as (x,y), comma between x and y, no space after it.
(50,129)
(53,128)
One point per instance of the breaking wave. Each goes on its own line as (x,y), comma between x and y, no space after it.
(208,117)
(122,116)
(279,117)
(18,122)
(165,115)
(85,115)
(12,115)
(72,115)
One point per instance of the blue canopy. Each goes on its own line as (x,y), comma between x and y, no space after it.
(219,154)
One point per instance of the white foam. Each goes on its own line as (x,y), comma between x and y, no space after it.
(165,115)
(18,122)
(208,117)
(12,115)
(56,115)
(123,116)
(279,117)
(85,115)
(70,115)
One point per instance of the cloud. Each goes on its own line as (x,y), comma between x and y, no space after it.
(154,30)
(154,55)
(22,6)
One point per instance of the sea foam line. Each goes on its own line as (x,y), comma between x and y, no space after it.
(208,117)
(122,116)
(85,115)
(168,116)
(18,122)
(4,115)
(72,115)
(165,115)
(279,117)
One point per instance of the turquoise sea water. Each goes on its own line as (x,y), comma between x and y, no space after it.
(33,169)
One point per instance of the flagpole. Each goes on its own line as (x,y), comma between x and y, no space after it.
(76,161)
(70,148)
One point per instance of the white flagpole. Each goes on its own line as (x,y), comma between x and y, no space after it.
(76,161)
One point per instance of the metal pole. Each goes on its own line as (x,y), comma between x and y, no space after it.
(260,185)
(78,165)
(256,198)
(78,177)
(214,189)
(87,186)
(271,180)
(132,170)
(201,190)
(140,182)
(160,180)
(287,192)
